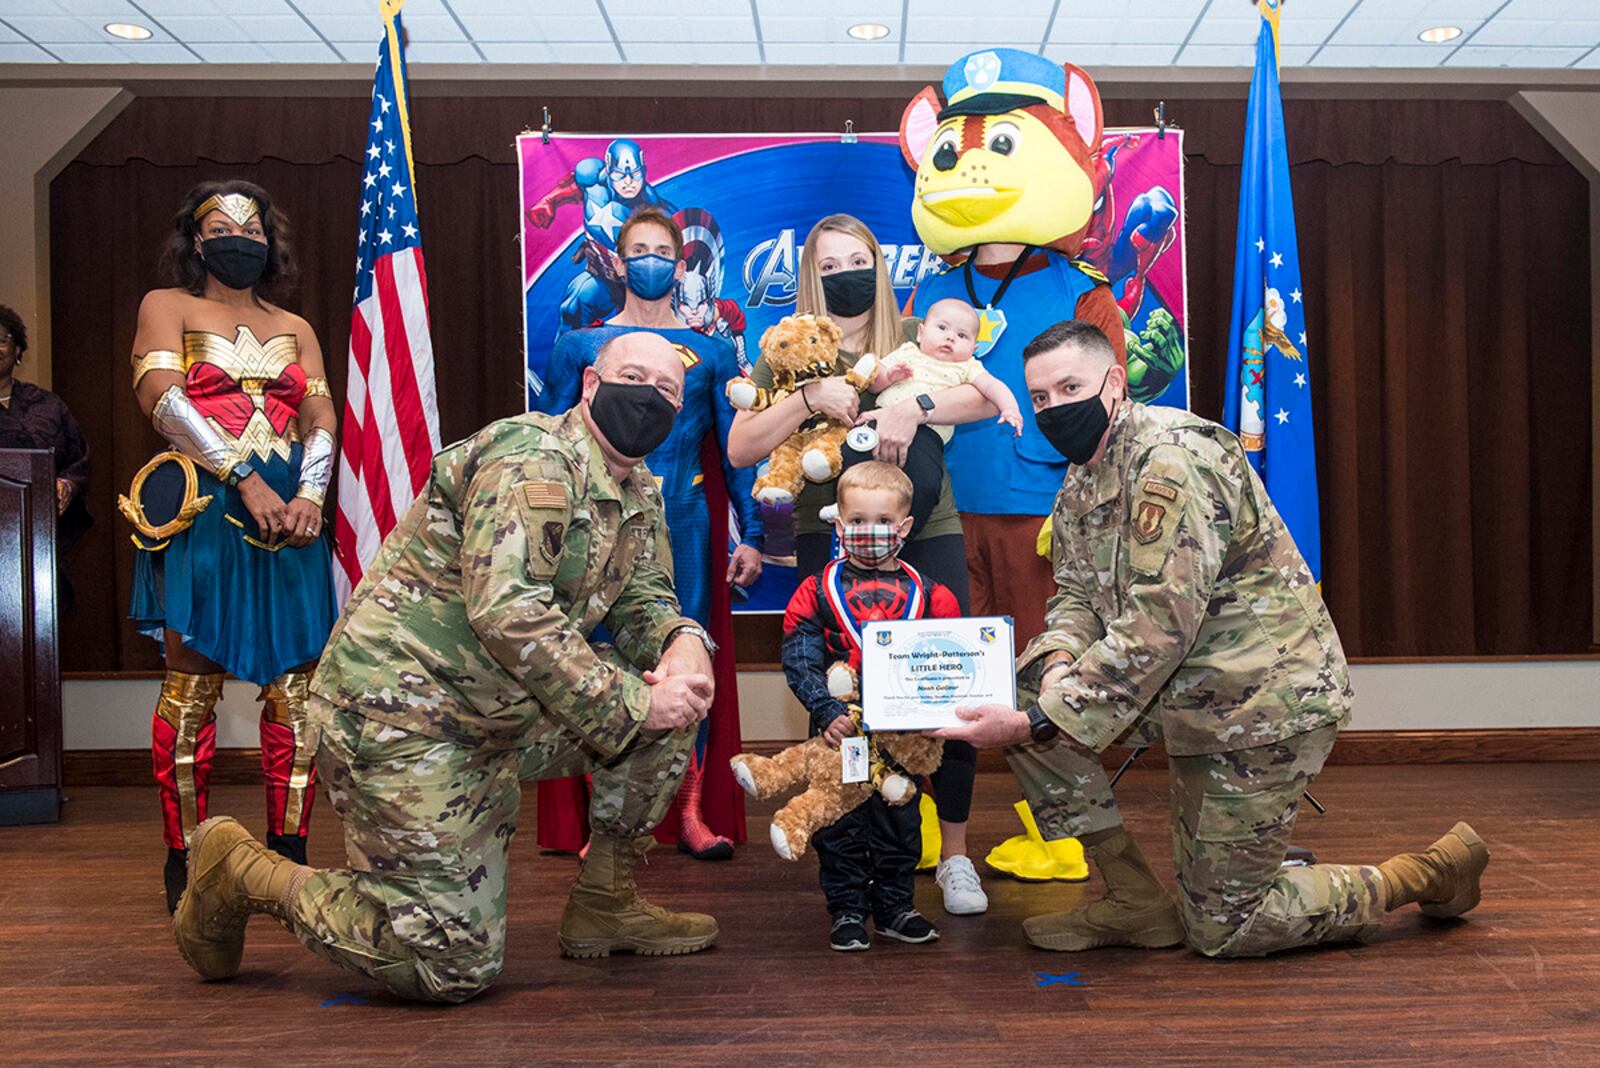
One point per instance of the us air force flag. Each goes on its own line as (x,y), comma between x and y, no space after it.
(1268,398)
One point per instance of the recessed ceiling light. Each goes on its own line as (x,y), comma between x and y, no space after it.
(868,31)
(1440,34)
(127,31)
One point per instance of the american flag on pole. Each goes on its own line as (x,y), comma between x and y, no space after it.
(391,414)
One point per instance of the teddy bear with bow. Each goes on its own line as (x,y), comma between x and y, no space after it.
(800,349)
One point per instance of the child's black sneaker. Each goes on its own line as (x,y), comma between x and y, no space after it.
(849,933)
(909,926)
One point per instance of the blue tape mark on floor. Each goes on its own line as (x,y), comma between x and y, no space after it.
(345,999)
(1049,979)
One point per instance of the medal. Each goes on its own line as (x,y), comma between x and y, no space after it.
(991,320)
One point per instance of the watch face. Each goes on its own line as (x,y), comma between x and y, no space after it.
(925,401)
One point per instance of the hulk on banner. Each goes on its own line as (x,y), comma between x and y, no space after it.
(746,203)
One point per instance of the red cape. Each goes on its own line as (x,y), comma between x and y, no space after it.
(564,803)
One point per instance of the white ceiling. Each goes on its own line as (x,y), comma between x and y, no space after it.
(1094,33)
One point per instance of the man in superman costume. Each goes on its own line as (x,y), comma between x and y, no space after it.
(695,481)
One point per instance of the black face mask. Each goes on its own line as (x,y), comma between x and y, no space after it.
(849,293)
(634,417)
(236,262)
(1073,429)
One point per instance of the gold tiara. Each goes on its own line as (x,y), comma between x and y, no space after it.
(235,206)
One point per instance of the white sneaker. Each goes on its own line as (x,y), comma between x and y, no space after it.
(963,893)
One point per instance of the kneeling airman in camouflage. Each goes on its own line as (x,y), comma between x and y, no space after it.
(462,665)
(1184,611)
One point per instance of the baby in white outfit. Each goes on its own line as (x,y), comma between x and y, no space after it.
(941,358)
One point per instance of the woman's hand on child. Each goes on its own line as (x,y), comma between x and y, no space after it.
(896,425)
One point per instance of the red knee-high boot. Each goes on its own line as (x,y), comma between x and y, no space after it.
(183,742)
(287,749)
(694,837)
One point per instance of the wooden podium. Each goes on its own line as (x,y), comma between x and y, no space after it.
(30,675)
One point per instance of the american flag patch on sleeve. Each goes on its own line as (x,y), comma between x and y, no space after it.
(544,494)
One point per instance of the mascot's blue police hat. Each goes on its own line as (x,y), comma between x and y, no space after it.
(997,80)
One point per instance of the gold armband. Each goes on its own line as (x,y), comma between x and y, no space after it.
(318,387)
(157,360)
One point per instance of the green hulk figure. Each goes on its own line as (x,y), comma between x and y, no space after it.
(1155,356)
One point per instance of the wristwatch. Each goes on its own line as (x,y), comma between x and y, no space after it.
(698,631)
(1041,728)
(925,402)
(238,473)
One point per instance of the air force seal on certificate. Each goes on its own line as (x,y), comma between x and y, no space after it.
(915,673)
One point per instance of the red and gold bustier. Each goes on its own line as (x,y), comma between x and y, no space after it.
(250,390)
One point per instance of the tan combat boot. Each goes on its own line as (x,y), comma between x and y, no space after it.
(1135,911)
(231,875)
(1444,878)
(606,915)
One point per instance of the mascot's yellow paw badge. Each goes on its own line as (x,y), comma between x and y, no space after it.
(932,840)
(1030,858)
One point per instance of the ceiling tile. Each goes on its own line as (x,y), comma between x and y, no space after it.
(254,7)
(794,27)
(157,52)
(852,10)
(354,7)
(8,35)
(24,53)
(1218,55)
(1225,31)
(712,30)
(1549,9)
(1076,30)
(109,10)
(1445,12)
(363,52)
(236,52)
(743,53)
(681,8)
(1391,32)
(425,28)
(1546,33)
(1306,31)
(274,28)
(29,7)
(1315,9)
(1417,55)
(440,52)
(359,27)
(960,33)
(1590,61)
(834,53)
(162,9)
(89,53)
(304,52)
(942,55)
(545,52)
(589,26)
(1113,55)
(58,29)
(203,28)
(497,7)
(1475,56)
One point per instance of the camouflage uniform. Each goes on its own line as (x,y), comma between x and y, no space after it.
(1191,617)
(460,666)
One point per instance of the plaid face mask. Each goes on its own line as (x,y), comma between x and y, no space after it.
(872,543)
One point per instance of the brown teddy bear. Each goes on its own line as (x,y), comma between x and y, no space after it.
(800,349)
(896,758)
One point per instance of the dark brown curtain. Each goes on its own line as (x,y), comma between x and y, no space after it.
(1445,248)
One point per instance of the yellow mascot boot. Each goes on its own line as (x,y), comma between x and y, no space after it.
(1030,858)
(932,840)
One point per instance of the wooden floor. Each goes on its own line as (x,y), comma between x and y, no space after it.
(90,975)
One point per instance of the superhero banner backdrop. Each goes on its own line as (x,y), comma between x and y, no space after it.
(746,202)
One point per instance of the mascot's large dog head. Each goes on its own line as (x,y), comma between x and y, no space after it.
(1010,156)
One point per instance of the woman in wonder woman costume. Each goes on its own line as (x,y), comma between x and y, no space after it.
(232,573)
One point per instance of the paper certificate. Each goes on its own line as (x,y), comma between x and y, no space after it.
(915,673)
